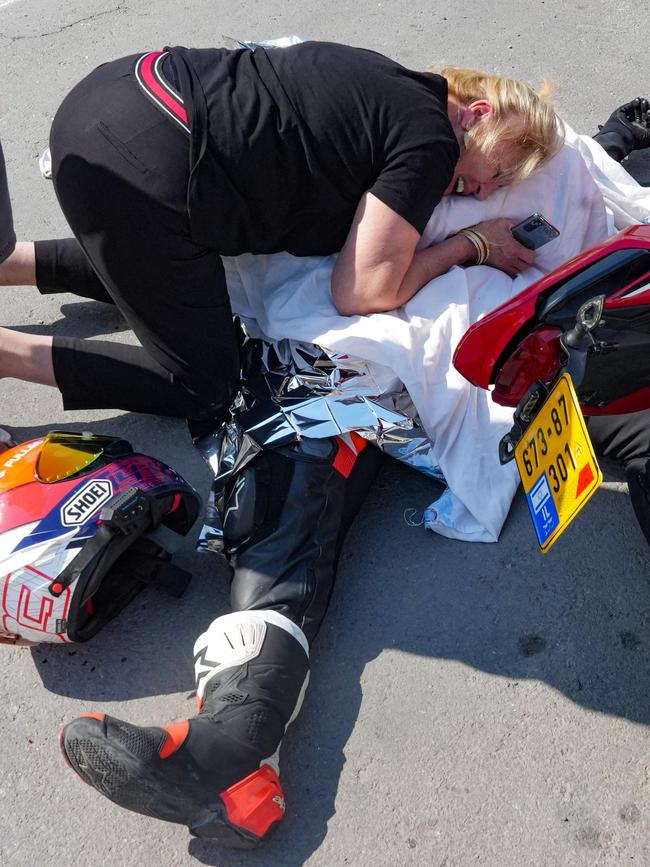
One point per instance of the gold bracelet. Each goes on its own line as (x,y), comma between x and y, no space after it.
(480,243)
(484,243)
(471,236)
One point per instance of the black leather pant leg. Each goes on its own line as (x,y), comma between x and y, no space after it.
(285,518)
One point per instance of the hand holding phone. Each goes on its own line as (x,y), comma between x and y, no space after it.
(534,232)
(505,252)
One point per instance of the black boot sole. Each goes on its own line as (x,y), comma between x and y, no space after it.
(136,782)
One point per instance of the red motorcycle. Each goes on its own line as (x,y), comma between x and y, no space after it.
(590,318)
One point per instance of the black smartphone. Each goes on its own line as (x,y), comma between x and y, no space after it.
(534,232)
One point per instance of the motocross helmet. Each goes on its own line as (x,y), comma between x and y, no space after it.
(85,524)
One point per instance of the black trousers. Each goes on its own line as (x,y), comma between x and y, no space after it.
(120,171)
(627,438)
(286,517)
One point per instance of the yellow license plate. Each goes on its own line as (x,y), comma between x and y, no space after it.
(557,464)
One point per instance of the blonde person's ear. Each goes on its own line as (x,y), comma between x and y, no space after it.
(480,110)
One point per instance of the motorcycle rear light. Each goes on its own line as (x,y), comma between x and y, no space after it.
(538,356)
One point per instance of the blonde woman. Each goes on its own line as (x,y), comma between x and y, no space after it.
(163,162)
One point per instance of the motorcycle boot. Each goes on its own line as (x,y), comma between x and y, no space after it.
(218,772)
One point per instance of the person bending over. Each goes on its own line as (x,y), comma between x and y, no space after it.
(165,161)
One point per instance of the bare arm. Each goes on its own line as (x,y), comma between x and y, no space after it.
(378,268)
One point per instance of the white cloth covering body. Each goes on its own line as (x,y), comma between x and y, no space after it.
(581,191)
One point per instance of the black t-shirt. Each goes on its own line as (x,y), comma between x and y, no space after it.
(287,141)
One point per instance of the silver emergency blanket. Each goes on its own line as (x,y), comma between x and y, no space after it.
(293,391)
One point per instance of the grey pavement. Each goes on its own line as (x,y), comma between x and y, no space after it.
(469,704)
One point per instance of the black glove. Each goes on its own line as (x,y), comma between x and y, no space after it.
(627,129)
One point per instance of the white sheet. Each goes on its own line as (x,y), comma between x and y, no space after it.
(281,296)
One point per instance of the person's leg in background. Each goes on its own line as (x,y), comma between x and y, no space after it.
(23,354)
(627,438)
(285,518)
(54,266)
(7,247)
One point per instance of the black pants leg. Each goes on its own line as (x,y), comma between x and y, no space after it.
(62,266)
(285,519)
(120,170)
(627,438)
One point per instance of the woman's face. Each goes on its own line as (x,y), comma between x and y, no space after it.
(478,174)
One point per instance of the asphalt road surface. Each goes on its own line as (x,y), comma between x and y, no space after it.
(469,704)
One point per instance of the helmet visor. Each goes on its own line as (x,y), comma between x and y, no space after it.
(65,454)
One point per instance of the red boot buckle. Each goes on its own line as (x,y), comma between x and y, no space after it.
(256,802)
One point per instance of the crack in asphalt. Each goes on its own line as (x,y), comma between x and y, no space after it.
(119,8)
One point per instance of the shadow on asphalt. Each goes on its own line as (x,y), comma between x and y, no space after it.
(582,632)
(80,319)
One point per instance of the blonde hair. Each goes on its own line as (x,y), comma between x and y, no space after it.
(521,116)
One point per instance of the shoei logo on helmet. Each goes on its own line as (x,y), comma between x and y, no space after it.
(86,502)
